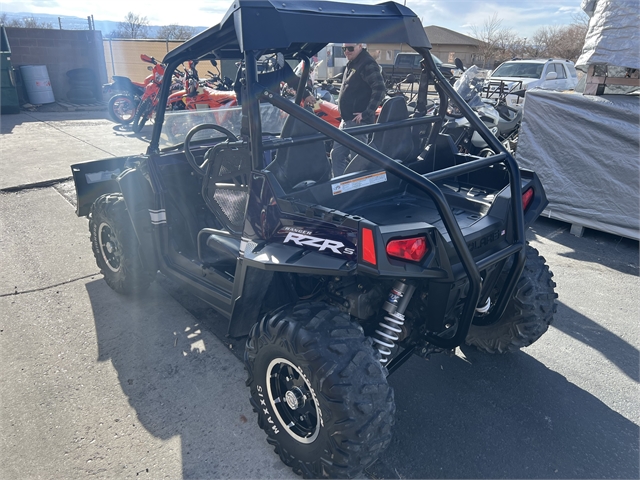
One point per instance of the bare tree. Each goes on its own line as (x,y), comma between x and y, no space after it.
(488,33)
(543,39)
(175,32)
(508,45)
(560,41)
(134,26)
(25,22)
(580,18)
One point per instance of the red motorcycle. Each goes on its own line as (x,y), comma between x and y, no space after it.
(148,101)
(214,93)
(146,110)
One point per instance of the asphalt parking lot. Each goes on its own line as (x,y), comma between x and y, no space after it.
(97,384)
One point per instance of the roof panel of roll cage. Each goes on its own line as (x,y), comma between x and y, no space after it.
(300,27)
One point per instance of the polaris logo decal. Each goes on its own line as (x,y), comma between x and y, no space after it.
(322,244)
(485,241)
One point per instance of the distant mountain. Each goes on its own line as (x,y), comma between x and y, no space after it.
(78,23)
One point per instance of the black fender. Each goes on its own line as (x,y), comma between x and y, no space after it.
(249,291)
(139,198)
(262,271)
(502,204)
(95,178)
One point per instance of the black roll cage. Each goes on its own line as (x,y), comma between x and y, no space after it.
(253,93)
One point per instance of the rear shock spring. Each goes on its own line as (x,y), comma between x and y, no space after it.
(388,334)
(395,306)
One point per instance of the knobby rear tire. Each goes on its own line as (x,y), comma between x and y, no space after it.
(327,355)
(528,314)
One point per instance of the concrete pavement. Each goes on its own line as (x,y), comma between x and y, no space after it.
(98,384)
(94,383)
(38,147)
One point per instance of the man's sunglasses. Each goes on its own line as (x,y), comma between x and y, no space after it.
(348,49)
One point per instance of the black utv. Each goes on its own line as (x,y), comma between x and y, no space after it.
(335,282)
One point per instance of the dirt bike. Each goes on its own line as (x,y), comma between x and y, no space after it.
(215,93)
(125,95)
(148,101)
(147,108)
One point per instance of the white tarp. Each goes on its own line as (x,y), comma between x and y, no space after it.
(613,36)
(585,150)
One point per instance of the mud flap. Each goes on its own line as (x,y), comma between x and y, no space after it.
(249,292)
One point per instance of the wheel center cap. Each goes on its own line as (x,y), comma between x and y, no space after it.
(295,398)
(109,247)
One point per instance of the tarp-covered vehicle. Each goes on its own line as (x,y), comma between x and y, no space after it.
(336,282)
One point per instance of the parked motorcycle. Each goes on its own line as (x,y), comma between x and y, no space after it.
(124,97)
(501,119)
(148,101)
(215,93)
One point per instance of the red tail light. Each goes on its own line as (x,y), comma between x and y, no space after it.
(408,248)
(368,246)
(527,198)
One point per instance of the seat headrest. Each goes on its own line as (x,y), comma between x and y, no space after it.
(299,163)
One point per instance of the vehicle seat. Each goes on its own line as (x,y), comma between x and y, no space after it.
(300,165)
(441,154)
(396,143)
(225,186)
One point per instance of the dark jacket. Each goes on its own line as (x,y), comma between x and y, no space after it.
(362,88)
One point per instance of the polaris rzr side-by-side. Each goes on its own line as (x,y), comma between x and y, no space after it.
(335,282)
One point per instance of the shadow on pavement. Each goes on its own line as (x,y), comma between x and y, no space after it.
(178,382)
(502,417)
(611,251)
(621,353)
(9,122)
(470,416)
(126,131)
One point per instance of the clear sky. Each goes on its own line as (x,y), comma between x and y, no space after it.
(523,16)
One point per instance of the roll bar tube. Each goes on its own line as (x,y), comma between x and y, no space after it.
(163,95)
(425,183)
(253,107)
(411,177)
(515,183)
(302,84)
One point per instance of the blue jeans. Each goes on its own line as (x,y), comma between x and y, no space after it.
(341,155)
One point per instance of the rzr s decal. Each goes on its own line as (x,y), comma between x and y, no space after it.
(320,243)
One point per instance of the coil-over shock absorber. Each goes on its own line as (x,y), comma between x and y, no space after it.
(390,327)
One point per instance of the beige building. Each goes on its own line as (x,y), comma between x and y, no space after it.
(447,45)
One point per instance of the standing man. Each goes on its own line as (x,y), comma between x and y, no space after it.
(361,93)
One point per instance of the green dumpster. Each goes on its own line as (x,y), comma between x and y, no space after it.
(8,92)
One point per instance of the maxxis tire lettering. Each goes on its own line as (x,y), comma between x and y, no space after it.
(265,409)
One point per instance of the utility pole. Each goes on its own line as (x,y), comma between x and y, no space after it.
(60,23)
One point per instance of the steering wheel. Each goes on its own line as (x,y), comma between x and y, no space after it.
(201,168)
